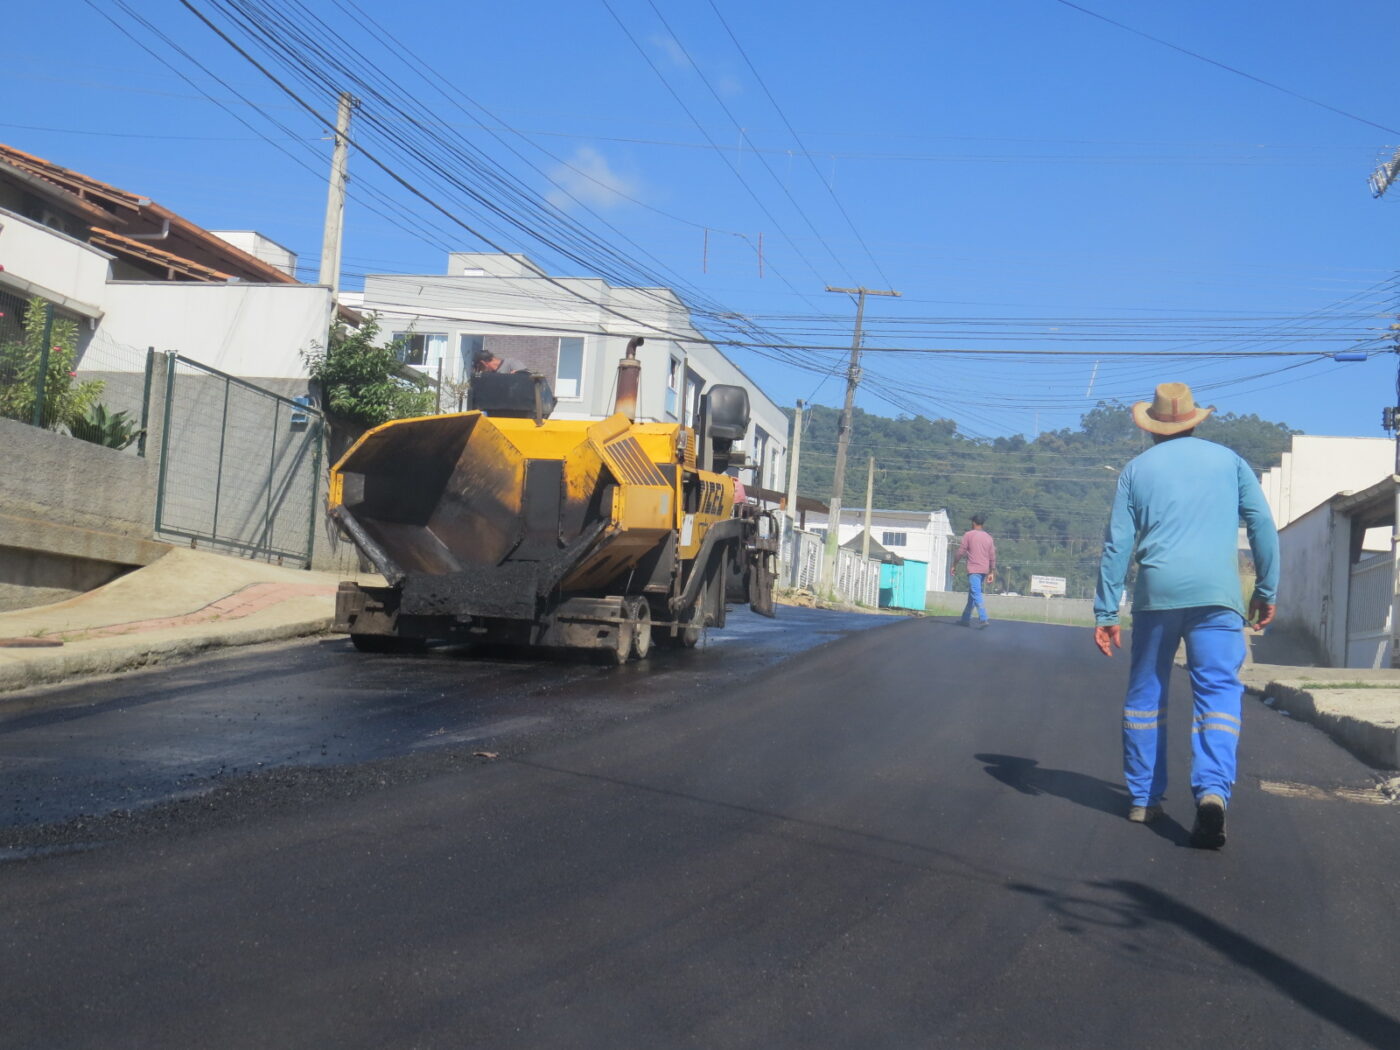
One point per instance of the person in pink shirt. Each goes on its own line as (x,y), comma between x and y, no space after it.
(980,551)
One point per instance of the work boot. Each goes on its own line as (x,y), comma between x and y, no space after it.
(1209,830)
(1144,814)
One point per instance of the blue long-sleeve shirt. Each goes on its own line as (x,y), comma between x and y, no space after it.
(1179,506)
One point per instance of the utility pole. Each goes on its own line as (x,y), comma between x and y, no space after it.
(869,507)
(1381,180)
(843,436)
(790,515)
(793,459)
(335,200)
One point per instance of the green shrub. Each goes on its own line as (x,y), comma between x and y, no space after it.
(65,400)
(363,383)
(114,431)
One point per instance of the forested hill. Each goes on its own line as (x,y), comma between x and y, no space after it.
(1046,500)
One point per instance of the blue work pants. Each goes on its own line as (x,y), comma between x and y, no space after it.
(1214,655)
(974,598)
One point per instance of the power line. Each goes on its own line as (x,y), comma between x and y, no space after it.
(1228,68)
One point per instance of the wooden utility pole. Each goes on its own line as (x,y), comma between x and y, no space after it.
(334,229)
(1381,180)
(869,507)
(793,459)
(843,436)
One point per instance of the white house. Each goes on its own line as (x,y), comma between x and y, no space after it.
(136,275)
(1316,468)
(1335,597)
(573,330)
(912,534)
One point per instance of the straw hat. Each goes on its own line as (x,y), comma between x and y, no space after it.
(1170,412)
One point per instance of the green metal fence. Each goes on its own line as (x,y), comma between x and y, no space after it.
(239,465)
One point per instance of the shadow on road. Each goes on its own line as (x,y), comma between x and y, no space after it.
(1028,777)
(1136,905)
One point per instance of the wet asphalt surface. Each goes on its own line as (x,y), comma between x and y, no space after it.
(127,743)
(908,836)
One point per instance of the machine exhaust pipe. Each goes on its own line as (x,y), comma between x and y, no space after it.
(629,377)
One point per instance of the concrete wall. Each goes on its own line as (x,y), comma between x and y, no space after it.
(42,261)
(73,515)
(244,329)
(251,330)
(1314,555)
(1316,468)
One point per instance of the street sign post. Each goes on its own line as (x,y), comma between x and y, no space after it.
(1048,585)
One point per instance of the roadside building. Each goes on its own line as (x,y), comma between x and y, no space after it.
(903,581)
(1333,499)
(1316,468)
(134,275)
(919,537)
(573,330)
(213,460)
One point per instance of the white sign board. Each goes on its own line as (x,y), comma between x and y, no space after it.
(1048,585)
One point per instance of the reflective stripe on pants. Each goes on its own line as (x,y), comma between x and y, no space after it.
(1214,654)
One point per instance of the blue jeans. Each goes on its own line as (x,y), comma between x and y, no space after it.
(1215,651)
(974,598)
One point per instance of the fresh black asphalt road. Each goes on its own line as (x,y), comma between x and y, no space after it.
(827,835)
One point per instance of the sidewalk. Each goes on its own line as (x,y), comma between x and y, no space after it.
(186,602)
(1357,707)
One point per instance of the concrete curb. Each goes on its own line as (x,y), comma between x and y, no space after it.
(46,667)
(1374,741)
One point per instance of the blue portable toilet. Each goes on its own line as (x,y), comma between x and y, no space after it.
(902,584)
(902,581)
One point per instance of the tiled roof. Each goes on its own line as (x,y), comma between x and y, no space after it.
(139,249)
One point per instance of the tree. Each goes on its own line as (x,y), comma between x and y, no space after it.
(362,383)
(65,401)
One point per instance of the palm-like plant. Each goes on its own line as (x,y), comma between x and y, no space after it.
(117,430)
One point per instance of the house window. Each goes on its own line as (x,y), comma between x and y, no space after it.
(467,347)
(693,386)
(894,539)
(760,455)
(421,349)
(568,376)
(673,387)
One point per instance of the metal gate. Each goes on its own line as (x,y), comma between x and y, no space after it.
(1368,612)
(239,465)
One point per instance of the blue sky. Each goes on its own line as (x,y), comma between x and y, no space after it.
(1028,176)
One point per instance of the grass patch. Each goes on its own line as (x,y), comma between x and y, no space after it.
(1025,616)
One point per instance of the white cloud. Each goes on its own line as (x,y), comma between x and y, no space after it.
(587,178)
(729,86)
(675,54)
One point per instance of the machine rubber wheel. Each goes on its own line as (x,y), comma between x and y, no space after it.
(387,643)
(640,614)
(621,649)
(689,636)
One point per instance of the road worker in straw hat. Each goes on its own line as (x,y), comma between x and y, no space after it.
(1177,513)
